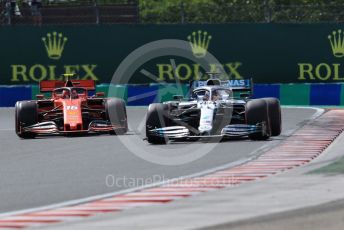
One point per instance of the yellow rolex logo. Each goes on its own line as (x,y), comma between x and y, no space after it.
(54,44)
(199,42)
(337,43)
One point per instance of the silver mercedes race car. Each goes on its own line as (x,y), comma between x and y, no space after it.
(214,109)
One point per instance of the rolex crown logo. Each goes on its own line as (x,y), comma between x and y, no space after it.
(199,42)
(54,44)
(337,43)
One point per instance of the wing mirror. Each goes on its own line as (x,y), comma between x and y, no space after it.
(39,96)
(244,95)
(178,97)
(100,94)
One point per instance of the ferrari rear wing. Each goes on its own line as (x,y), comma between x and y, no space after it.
(50,85)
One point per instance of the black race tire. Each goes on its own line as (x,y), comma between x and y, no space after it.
(274,115)
(257,112)
(26,114)
(116,114)
(157,117)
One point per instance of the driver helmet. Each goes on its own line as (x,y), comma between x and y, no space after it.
(65,94)
(206,96)
(74,94)
(215,96)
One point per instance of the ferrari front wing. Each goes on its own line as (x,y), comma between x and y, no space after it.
(50,127)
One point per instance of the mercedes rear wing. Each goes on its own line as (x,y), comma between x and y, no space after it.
(237,86)
(241,88)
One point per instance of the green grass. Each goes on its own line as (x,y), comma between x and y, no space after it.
(334,168)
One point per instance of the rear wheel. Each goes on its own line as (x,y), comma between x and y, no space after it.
(116,114)
(274,115)
(257,112)
(157,117)
(26,114)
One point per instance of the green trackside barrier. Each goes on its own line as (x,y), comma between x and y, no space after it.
(167,91)
(295,94)
(34,91)
(119,91)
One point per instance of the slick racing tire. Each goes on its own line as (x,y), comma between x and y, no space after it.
(257,112)
(116,114)
(274,115)
(26,114)
(157,117)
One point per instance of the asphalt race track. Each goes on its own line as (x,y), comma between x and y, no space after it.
(50,170)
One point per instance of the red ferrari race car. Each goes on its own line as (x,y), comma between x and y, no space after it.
(70,110)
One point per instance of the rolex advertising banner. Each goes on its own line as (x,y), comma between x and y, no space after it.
(268,53)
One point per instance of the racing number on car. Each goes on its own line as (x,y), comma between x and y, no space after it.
(72,110)
(71,107)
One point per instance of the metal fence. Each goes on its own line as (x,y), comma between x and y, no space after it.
(307,13)
(130,11)
(250,12)
(79,12)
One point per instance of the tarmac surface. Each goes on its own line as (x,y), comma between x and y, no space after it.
(51,170)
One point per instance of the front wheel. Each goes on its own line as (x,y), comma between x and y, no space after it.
(157,117)
(26,115)
(256,113)
(116,114)
(274,115)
